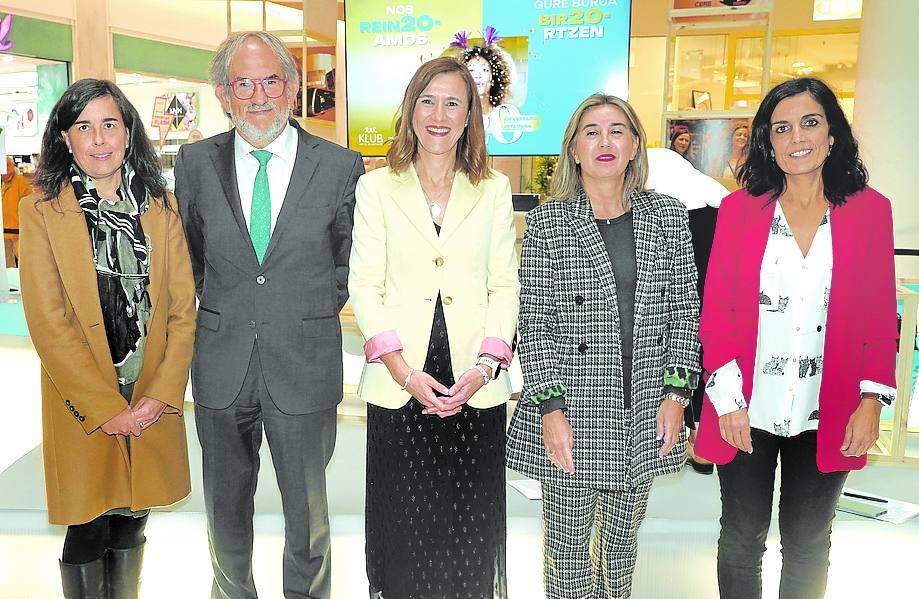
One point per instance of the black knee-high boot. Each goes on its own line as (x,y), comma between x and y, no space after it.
(123,571)
(84,581)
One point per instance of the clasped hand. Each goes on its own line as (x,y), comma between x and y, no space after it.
(133,419)
(437,399)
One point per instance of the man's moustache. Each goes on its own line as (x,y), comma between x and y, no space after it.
(260,106)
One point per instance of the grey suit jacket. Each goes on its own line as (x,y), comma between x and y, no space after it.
(290,302)
(569,339)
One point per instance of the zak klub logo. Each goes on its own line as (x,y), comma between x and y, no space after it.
(370,137)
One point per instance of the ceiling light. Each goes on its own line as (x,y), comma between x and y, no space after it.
(798,65)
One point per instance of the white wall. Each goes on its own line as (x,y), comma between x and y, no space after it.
(887,82)
(647,60)
(56,10)
(196,23)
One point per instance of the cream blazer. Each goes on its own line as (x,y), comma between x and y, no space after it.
(399,264)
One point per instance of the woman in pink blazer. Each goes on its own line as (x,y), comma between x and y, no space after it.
(799,334)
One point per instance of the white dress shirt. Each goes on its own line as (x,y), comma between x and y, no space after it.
(793,301)
(280,167)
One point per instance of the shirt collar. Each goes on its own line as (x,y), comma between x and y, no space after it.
(284,145)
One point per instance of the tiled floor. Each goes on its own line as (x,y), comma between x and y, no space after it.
(676,547)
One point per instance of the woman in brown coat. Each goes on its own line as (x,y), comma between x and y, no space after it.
(109,298)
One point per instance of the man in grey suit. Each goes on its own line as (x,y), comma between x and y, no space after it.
(267,210)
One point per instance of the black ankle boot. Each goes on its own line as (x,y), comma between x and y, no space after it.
(84,581)
(123,572)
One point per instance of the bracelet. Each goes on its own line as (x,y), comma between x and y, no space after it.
(491,363)
(408,378)
(680,399)
(885,400)
(485,377)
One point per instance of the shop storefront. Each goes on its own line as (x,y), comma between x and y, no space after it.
(35,58)
(167,83)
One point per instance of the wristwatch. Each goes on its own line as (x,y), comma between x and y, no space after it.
(683,401)
(491,363)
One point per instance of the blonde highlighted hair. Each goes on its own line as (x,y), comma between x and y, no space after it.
(567,178)
(471,157)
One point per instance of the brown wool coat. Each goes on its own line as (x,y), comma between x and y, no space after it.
(86,471)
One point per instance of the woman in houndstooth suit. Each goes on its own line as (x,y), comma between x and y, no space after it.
(608,320)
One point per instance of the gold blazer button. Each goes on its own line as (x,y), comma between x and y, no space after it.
(438,261)
(448,300)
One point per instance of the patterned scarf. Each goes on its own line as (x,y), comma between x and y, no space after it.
(123,224)
(122,263)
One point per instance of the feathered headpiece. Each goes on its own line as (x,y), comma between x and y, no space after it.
(491,36)
(461,38)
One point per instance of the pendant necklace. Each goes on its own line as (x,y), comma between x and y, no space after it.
(433,207)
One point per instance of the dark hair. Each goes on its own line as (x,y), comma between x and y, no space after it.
(843,172)
(500,71)
(471,156)
(53,173)
(676,133)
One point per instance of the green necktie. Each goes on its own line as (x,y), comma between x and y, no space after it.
(260,214)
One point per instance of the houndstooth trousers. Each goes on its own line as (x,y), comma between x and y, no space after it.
(591,541)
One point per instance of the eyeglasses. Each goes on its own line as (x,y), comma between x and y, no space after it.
(244,88)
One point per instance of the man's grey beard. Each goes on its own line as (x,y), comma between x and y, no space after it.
(257,136)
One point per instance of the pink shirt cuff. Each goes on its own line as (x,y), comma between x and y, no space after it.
(381,344)
(498,348)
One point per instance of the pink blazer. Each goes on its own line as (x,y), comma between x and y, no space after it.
(861,330)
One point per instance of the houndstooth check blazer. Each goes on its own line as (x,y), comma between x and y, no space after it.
(569,330)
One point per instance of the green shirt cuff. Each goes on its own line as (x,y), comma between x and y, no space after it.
(681,378)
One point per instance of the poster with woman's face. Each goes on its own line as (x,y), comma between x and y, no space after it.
(499,69)
(537,60)
(716,146)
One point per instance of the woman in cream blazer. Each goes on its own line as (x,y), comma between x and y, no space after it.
(433,284)
(399,264)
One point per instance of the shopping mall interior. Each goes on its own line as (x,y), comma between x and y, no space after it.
(683,71)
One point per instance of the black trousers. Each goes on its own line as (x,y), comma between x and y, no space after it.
(807,505)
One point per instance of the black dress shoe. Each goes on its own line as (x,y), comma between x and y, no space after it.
(700,467)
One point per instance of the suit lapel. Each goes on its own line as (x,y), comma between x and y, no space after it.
(154,224)
(843,228)
(587,234)
(647,238)
(224,160)
(463,198)
(755,249)
(69,238)
(305,163)
(409,198)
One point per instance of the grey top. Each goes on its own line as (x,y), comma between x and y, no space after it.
(619,238)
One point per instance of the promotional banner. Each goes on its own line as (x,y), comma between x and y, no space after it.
(717,146)
(534,61)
